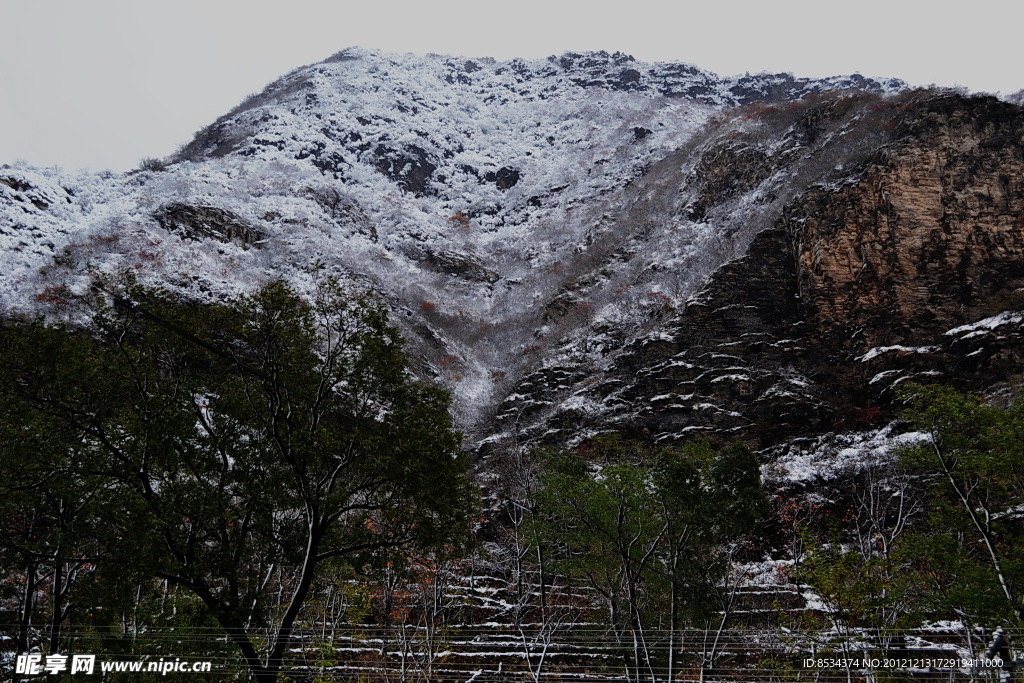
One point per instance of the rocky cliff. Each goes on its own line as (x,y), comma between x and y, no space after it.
(900,264)
(930,235)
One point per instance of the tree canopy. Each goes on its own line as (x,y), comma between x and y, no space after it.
(973,456)
(231,445)
(655,532)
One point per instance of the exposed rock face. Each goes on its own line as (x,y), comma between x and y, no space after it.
(459,265)
(726,170)
(864,281)
(410,168)
(618,71)
(206,222)
(930,236)
(505,178)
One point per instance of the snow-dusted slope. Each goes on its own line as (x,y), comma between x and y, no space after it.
(481,198)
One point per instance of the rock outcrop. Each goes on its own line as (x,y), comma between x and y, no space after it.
(930,236)
(206,222)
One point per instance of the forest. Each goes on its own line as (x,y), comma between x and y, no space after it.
(262,483)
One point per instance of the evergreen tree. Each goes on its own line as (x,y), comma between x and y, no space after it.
(242,446)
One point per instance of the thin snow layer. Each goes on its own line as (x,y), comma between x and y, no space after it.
(452,187)
(834,455)
(770,574)
(879,350)
(987,324)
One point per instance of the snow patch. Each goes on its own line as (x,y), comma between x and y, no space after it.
(879,350)
(990,323)
(830,456)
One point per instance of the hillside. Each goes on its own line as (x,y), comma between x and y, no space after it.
(587,243)
(590,250)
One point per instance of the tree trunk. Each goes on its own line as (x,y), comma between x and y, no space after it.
(25,617)
(58,603)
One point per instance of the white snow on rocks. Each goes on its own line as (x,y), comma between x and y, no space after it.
(832,455)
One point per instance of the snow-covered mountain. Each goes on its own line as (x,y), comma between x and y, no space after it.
(553,235)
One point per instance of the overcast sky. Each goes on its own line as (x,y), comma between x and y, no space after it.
(103,83)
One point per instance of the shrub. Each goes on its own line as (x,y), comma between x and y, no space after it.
(460,219)
(151,164)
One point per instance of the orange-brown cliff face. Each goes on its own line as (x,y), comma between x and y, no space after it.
(930,236)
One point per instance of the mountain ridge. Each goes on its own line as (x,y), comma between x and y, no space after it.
(513,214)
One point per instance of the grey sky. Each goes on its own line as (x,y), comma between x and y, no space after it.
(102,83)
